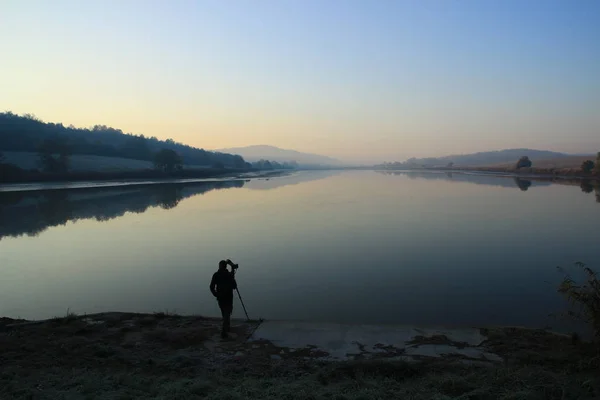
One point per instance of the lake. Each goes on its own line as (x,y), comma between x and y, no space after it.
(337,246)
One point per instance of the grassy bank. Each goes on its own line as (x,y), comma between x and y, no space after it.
(79,176)
(131,356)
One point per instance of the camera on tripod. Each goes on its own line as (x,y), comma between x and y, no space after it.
(233,266)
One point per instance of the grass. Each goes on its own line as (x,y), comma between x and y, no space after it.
(160,356)
(166,356)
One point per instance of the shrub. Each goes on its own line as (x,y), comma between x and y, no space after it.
(584,298)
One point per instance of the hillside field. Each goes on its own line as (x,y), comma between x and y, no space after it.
(83,162)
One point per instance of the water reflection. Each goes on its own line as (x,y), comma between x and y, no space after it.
(587,186)
(478,179)
(522,184)
(30,213)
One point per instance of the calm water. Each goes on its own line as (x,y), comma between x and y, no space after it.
(352,246)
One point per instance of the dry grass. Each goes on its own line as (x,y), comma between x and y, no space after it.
(131,356)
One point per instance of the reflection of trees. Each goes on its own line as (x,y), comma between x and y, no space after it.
(586,186)
(55,209)
(168,196)
(457,177)
(33,212)
(523,184)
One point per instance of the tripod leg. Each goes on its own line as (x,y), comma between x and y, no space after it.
(243,306)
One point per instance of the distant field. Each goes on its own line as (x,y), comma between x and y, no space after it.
(81,162)
(556,163)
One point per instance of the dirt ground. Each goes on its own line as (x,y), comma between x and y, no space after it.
(160,356)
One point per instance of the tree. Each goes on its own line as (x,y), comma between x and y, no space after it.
(168,160)
(524,162)
(597,169)
(54,155)
(587,166)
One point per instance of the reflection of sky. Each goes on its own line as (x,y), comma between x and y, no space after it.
(353,247)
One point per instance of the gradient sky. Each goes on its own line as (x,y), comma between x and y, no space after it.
(358,80)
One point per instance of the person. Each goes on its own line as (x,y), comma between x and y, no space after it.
(222,286)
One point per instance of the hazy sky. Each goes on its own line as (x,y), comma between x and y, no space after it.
(376,80)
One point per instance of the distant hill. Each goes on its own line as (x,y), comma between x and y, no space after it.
(489,158)
(264,152)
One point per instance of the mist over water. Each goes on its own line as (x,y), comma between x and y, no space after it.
(356,247)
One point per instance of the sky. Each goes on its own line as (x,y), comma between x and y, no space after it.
(357,80)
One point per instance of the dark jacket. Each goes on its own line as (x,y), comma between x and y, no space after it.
(222,285)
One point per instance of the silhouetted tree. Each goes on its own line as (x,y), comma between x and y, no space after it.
(53,155)
(218,165)
(168,160)
(524,162)
(597,168)
(587,166)
(586,186)
(523,184)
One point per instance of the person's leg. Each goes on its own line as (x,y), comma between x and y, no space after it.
(225,317)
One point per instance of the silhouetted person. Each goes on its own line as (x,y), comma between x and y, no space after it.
(222,286)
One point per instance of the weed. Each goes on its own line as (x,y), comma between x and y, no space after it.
(583,297)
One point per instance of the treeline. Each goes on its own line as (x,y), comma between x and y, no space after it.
(588,168)
(55,145)
(266,164)
(28,134)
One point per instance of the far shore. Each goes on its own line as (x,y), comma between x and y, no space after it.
(532,173)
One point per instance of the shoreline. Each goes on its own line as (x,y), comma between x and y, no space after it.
(529,174)
(108,183)
(132,355)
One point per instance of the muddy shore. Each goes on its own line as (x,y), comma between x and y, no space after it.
(131,356)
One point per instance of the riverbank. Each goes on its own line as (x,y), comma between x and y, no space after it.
(130,356)
(545,174)
(29,177)
(95,184)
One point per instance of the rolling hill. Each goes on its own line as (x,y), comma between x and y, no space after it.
(490,158)
(258,152)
